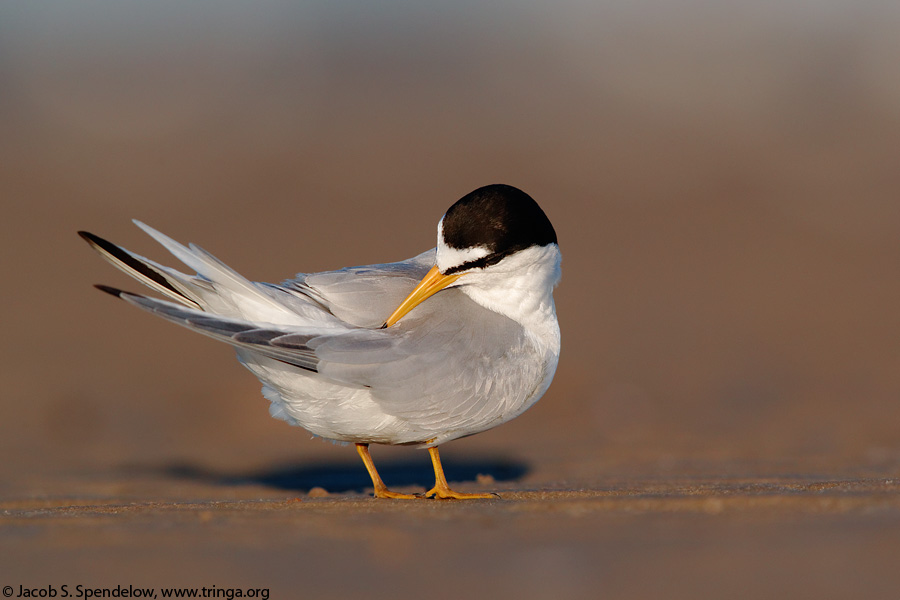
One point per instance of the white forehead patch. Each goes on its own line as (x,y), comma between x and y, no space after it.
(448,257)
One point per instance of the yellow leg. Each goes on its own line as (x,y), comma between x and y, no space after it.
(381,490)
(441,489)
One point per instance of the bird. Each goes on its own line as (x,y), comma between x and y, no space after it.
(449,343)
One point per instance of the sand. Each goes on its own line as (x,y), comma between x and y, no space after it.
(736,538)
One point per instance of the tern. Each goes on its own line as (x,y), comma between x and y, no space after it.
(447,344)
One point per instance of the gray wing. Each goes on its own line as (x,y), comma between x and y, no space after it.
(361,296)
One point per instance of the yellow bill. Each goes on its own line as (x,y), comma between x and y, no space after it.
(430,285)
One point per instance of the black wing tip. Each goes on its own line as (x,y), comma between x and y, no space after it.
(124,257)
(98,242)
(93,240)
(110,290)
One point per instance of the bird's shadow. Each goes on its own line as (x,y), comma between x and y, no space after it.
(349,477)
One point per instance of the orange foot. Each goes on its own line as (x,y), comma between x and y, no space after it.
(443,492)
(383,492)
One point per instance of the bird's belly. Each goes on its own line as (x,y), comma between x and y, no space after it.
(448,408)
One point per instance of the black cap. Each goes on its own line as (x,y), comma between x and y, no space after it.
(499,217)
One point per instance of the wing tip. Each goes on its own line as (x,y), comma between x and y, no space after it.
(110,290)
(117,292)
(136,267)
(90,238)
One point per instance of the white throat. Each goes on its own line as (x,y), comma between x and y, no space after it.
(520,287)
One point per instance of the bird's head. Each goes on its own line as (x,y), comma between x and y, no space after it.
(483,233)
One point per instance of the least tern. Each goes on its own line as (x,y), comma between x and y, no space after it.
(374,354)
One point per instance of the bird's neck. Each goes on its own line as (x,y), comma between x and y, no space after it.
(523,292)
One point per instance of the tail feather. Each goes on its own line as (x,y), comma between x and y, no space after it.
(215,288)
(212,269)
(163,279)
(282,344)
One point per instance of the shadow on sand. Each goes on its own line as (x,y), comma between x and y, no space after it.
(348,477)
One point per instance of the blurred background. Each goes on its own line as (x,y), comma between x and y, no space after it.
(724,179)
